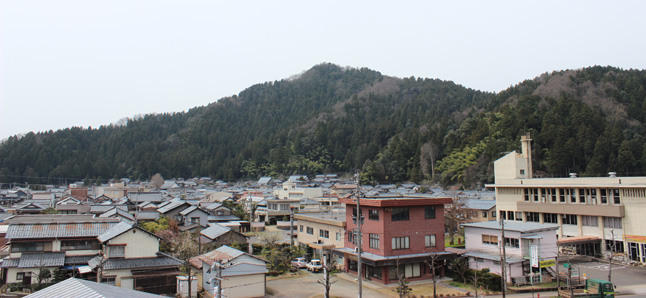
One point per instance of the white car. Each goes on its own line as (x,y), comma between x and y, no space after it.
(315,265)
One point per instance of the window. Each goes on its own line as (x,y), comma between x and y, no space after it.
(615,195)
(220,213)
(401,242)
(535,192)
(593,195)
(582,195)
(612,222)
(399,214)
(338,236)
(590,221)
(522,171)
(512,242)
(110,280)
(604,196)
(562,195)
(115,251)
(533,216)
(324,234)
(526,191)
(493,213)
(28,247)
(284,207)
(412,270)
(569,219)
(429,212)
(550,218)
(553,193)
(503,214)
(310,230)
(80,245)
(354,215)
(195,220)
(300,228)
(519,216)
(429,240)
(543,195)
(490,239)
(374,241)
(510,215)
(373,214)
(484,214)
(572,194)
(20,275)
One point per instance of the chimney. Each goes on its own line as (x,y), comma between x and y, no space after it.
(572,175)
(612,174)
(526,142)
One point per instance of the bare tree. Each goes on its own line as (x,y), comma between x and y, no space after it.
(428,153)
(475,278)
(402,288)
(328,265)
(157,180)
(270,238)
(454,215)
(433,266)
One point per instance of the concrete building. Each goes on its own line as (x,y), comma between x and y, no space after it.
(593,213)
(483,240)
(321,231)
(396,230)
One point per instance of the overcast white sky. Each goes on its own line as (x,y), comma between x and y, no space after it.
(87,63)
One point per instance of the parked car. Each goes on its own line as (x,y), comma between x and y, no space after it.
(315,265)
(299,263)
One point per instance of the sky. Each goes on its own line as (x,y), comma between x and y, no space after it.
(89,63)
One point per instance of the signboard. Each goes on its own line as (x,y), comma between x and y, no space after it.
(533,255)
(547,263)
(566,265)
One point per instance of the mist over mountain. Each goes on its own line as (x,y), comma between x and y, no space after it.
(331,119)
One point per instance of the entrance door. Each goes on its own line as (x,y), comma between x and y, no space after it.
(633,250)
(26,280)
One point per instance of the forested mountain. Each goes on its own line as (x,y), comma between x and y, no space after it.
(333,119)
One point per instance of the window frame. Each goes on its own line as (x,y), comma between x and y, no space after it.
(400,243)
(400,214)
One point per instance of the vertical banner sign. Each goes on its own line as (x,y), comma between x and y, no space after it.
(533,255)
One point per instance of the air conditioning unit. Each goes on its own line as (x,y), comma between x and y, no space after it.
(593,201)
(356,250)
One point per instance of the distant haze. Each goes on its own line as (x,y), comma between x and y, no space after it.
(90,63)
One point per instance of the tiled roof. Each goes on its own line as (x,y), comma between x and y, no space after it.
(222,253)
(215,231)
(70,260)
(188,210)
(146,215)
(104,208)
(115,231)
(46,259)
(72,287)
(145,196)
(513,226)
(215,218)
(172,205)
(480,204)
(115,211)
(161,260)
(10,263)
(58,230)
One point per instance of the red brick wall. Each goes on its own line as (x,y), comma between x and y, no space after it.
(416,228)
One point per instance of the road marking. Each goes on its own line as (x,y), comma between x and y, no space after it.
(599,266)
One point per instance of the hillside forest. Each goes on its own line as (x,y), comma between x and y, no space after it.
(331,119)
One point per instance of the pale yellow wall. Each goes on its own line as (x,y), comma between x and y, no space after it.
(138,245)
(305,238)
(11,274)
(244,286)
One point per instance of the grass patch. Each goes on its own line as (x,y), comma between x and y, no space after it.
(458,241)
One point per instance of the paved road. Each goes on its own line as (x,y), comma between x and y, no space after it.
(305,286)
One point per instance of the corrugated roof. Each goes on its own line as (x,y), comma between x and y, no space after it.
(58,230)
(72,288)
(45,259)
(215,231)
(161,260)
(146,215)
(115,231)
(188,210)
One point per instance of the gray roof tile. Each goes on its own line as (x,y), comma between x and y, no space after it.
(115,231)
(72,287)
(215,231)
(58,230)
(46,259)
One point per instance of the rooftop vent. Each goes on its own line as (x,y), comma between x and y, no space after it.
(612,174)
(572,175)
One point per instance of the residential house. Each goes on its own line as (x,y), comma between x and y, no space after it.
(72,206)
(276,208)
(195,215)
(171,209)
(51,242)
(594,213)
(482,246)
(244,275)
(221,235)
(131,259)
(396,230)
(478,210)
(322,231)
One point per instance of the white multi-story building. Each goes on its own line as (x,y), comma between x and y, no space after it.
(594,213)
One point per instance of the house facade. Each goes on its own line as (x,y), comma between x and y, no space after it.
(404,231)
(321,231)
(594,213)
(483,242)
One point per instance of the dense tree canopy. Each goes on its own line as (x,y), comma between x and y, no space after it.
(333,119)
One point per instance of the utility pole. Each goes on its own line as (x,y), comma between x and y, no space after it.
(503,257)
(291,226)
(359,219)
(216,280)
